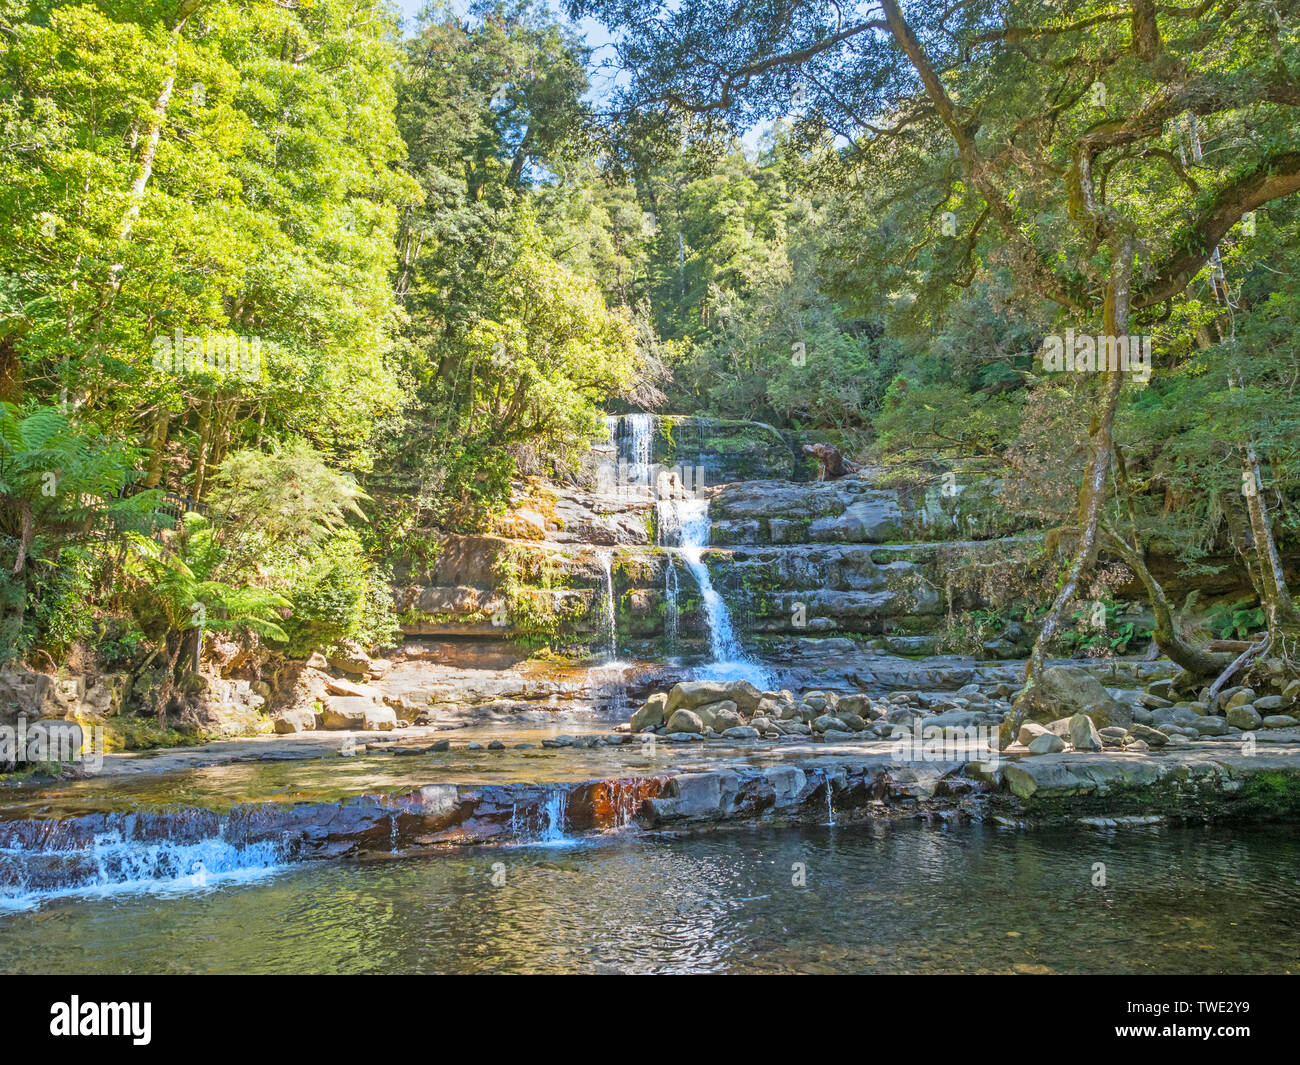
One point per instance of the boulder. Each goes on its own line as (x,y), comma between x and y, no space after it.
(1113,736)
(726,719)
(651,714)
(1279,721)
(708,714)
(1084,734)
(827,723)
(336,686)
(684,721)
(741,732)
(1029,732)
(350,712)
(854,704)
(1211,726)
(350,658)
(1240,698)
(1152,737)
(745,696)
(1244,717)
(299,719)
(954,719)
(692,693)
(1066,691)
(1046,743)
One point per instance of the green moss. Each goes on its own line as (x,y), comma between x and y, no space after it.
(1271,793)
(1181,794)
(131,733)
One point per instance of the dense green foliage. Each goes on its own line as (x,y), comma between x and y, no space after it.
(254,255)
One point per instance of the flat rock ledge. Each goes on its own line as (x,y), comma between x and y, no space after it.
(1108,791)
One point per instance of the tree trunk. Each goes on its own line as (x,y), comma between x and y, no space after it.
(205,440)
(168,686)
(155,121)
(157,442)
(1279,610)
(26,533)
(1092,496)
(1193,659)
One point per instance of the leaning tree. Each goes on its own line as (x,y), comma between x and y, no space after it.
(1103,150)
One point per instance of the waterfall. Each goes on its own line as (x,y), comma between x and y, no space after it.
(670,604)
(611,619)
(633,437)
(191,849)
(544,821)
(683,525)
(686,521)
(553,815)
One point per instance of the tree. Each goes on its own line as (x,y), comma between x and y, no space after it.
(1062,138)
(60,486)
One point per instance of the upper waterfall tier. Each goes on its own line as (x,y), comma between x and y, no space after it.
(723,450)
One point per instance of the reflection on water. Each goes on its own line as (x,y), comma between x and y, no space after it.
(878,899)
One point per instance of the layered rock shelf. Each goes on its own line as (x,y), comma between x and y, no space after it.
(836,783)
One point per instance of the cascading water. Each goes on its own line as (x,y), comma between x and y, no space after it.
(683,523)
(633,474)
(127,852)
(633,437)
(671,590)
(611,620)
(684,526)
(544,821)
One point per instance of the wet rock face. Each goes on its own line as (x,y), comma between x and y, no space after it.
(857,509)
(853,555)
(725,450)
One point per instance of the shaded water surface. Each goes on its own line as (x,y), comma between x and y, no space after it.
(897,899)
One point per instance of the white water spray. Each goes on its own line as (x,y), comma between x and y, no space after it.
(684,527)
(611,621)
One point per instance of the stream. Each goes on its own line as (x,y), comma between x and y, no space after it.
(905,898)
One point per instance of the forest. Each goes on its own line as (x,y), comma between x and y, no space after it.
(262,259)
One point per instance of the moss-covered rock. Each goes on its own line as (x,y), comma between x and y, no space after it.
(726,450)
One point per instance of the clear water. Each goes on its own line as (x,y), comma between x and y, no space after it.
(888,899)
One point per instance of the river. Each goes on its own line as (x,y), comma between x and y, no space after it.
(896,898)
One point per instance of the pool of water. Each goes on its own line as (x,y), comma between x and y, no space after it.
(899,898)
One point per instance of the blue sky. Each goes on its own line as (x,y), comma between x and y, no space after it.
(593,32)
(596,36)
